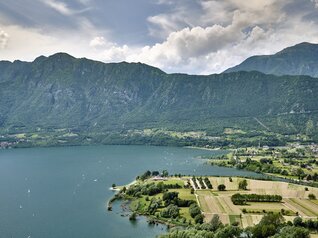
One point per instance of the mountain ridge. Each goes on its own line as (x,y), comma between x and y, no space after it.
(300,59)
(62,91)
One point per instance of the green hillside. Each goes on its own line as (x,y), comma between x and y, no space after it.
(82,95)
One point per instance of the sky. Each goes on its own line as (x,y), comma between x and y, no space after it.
(178,36)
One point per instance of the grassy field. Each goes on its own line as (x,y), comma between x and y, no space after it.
(184,193)
(295,200)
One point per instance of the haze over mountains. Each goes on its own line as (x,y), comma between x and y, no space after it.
(61,91)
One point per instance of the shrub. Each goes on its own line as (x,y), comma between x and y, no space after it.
(194,210)
(312,196)
(221,187)
(133,216)
(172,211)
(243,184)
(199,219)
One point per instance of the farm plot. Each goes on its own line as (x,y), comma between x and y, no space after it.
(267,206)
(235,219)
(213,205)
(217,204)
(280,188)
(250,220)
(304,207)
(295,200)
(230,186)
(225,219)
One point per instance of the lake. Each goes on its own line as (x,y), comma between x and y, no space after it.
(62,192)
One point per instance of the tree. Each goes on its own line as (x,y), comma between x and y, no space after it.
(155,173)
(165,173)
(312,196)
(172,211)
(215,222)
(243,184)
(228,232)
(144,176)
(194,210)
(268,225)
(199,219)
(221,187)
(298,221)
(284,172)
(300,173)
(293,232)
(170,197)
(133,216)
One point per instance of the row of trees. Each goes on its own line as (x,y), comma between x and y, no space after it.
(272,225)
(201,183)
(149,189)
(149,174)
(309,224)
(208,183)
(195,184)
(195,213)
(205,183)
(242,199)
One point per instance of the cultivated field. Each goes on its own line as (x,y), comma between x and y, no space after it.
(295,201)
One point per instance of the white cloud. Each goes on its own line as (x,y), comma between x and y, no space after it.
(204,39)
(60,7)
(3,39)
(98,41)
(65,9)
(29,43)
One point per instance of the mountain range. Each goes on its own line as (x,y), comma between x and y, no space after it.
(61,91)
(300,59)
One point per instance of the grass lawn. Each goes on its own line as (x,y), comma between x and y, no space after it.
(184,212)
(139,204)
(184,193)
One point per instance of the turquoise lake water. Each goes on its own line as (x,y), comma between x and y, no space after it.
(62,192)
